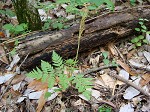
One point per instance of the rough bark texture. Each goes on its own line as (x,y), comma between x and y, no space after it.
(98,30)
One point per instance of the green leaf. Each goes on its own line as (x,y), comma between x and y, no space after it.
(141,19)
(47,94)
(138,44)
(143,31)
(3,12)
(51,81)
(146,20)
(97,2)
(140,37)
(144,27)
(19,28)
(145,41)
(137,29)
(46,26)
(57,60)
(8,26)
(135,40)
(10,13)
(106,61)
(87,94)
(141,23)
(92,7)
(132,2)
(105,54)
(13,52)
(110,4)
(64,81)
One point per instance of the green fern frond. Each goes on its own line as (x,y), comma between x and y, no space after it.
(51,80)
(64,81)
(36,74)
(57,60)
(82,84)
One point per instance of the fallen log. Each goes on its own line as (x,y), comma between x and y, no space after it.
(98,30)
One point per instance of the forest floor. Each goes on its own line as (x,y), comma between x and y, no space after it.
(120,72)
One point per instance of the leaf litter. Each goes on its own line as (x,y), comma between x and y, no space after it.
(17,92)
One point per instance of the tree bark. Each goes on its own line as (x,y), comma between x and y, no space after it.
(99,30)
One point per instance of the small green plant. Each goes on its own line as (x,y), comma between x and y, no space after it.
(139,40)
(55,73)
(104,108)
(106,60)
(7,12)
(16,29)
(73,7)
(54,23)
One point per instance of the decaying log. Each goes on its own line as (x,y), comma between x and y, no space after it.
(98,30)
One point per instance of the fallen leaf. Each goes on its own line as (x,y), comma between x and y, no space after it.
(6,77)
(38,85)
(3,57)
(123,65)
(35,95)
(130,53)
(108,80)
(53,93)
(139,66)
(145,79)
(16,59)
(41,101)
(123,74)
(96,94)
(130,92)
(126,108)
(2,35)
(17,86)
(147,56)
(16,79)
(112,49)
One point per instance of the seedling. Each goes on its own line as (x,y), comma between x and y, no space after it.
(139,40)
(16,29)
(104,108)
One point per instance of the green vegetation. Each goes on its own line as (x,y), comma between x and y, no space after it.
(16,29)
(139,40)
(104,108)
(106,61)
(74,7)
(7,12)
(56,73)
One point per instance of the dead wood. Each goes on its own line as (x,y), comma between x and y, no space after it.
(98,30)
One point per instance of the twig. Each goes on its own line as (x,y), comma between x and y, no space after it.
(98,69)
(24,60)
(131,84)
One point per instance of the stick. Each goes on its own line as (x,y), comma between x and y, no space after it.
(131,84)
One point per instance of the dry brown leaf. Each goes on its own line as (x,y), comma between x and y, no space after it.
(17,79)
(145,79)
(108,80)
(126,67)
(112,49)
(3,57)
(38,85)
(129,55)
(41,101)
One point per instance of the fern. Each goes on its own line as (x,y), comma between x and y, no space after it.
(83,84)
(64,81)
(48,73)
(57,60)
